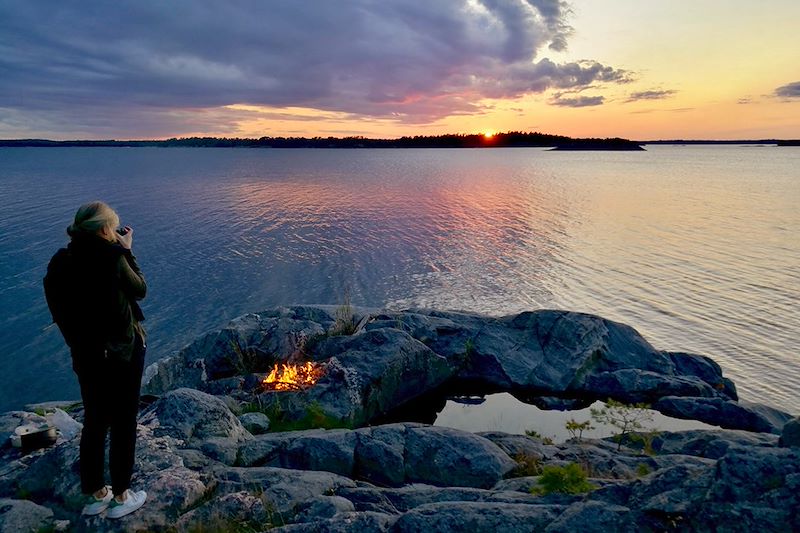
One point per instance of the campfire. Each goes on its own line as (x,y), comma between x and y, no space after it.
(293,377)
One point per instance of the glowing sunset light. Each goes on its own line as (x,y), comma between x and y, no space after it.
(572,67)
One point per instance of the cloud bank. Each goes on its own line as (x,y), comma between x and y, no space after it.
(791,90)
(150,67)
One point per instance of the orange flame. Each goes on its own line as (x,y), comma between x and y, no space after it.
(293,377)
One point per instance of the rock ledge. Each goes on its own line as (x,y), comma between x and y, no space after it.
(207,465)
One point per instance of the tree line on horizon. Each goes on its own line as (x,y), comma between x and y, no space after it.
(508,139)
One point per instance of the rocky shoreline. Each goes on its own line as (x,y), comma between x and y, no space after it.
(219,452)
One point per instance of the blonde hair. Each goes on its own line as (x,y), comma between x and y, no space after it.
(91,218)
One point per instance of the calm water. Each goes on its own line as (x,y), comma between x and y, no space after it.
(503,412)
(696,247)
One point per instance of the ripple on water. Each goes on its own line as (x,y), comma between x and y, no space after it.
(695,247)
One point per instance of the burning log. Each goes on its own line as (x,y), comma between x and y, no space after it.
(293,377)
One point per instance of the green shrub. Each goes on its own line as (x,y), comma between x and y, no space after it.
(626,418)
(316,417)
(576,428)
(646,440)
(569,479)
(73,407)
(280,420)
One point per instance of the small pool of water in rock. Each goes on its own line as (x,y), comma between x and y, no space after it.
(503,412)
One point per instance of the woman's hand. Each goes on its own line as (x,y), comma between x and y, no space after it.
(126,240)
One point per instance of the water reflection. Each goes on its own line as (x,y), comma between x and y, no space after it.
(695,247)
(503,412)
(459,241)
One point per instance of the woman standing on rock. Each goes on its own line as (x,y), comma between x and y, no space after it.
(92,287)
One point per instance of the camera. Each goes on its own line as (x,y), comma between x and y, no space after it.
(122,231)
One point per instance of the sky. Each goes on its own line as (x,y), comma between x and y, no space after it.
(640,69)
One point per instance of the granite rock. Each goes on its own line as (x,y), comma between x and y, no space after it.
(790,434)
(391,455)
(202,468)
(545,357)
(476,517)
(23,516)
(727,414)
(192,415)
(255,423)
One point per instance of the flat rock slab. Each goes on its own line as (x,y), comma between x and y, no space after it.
(445,456)
(727,414)
(472,517)
(22,515)
(709,444)
(344,523)
(394,454)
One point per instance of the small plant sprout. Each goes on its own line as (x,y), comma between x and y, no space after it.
(646,439)
(527,465)
(469,347)
(569,479)
(626,418)
(344,317)
(536,435)
(576,428)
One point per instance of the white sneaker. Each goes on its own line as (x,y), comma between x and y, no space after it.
(96,506)
(131,503)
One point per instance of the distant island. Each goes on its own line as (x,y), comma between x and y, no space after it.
(615,144)
(512,139)
(505,140)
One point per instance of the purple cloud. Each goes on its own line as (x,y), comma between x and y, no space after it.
(649,95)
(577,101)
(791,90)
(134,63)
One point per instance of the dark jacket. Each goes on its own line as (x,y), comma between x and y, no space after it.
(92,288)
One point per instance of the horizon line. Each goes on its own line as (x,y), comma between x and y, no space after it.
(481,135)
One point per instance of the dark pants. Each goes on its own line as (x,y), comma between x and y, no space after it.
(110,392)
